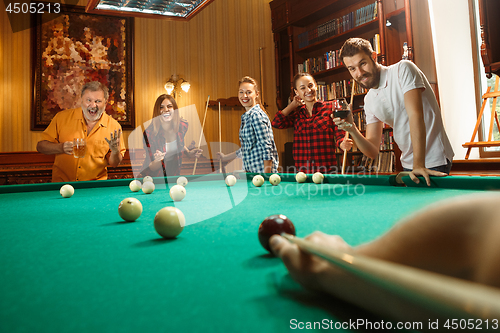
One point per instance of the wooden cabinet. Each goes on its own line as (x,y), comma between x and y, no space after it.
(490,35)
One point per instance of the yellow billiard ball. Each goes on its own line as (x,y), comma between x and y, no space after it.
(230,180)
(130,209)
(258,180)
(148,187)
(177,192)
(67,191)
(318,177)
(135,185)
(182,181)
(169,222)
(275,179)
(300,177)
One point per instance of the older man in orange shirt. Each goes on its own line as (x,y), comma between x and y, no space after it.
(94,125)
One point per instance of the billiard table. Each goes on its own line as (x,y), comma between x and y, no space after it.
(72,265)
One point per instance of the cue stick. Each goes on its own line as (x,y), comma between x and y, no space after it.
(440,294)
(201,134)
(261,75)
(347,133)
(220,140)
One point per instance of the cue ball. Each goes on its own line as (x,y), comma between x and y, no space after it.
(274,225)
(258,180)
(169,222)
(67,191)
(135,185)
(318,178)
(147,179)
(230,180)
(275,179)
(177,192)
(148,187)
(130,209)
(182,181)
(300,177)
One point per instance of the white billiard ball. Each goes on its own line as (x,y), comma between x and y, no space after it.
(182,181)
(67,191)
(275,179)
(147,179)
(135,185)
(301,177)
(177,192)
(230,180)
(318,177)
(130,209)
(148,187)
(169,222)
(258,180)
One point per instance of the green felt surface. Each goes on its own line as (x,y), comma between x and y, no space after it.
(72,265)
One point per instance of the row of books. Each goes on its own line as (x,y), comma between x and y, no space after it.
(339,89)
(312,65)
(387,142)
(338,25)
(366,14)
(327,61)
(331,59)
(385,162)
(359,120)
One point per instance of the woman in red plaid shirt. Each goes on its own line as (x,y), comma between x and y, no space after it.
(315,135)
(164,140)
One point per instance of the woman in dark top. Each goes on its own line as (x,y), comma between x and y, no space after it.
(164,140)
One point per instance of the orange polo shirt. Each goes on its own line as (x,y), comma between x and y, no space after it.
(70,124)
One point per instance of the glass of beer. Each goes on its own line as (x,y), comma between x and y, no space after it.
(340,108)
(79,148)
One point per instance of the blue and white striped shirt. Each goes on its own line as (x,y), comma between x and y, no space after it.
(257,141)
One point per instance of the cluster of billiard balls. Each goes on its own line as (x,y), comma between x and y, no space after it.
(177,192)
(170,221)
(275,179)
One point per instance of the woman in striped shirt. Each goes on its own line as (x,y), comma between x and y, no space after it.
(258,149)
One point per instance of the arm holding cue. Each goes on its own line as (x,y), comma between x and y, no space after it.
(455,239)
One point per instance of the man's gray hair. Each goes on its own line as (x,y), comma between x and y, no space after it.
(96,86)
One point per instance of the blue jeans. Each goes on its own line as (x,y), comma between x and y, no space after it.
(446,168)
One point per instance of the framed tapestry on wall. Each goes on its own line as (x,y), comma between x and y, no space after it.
(73,48)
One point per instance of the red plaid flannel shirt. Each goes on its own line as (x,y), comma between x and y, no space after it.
(314,138)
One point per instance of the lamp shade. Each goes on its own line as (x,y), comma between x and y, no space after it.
(185,86)
(169,87)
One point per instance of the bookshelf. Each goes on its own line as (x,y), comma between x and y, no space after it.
(308,36)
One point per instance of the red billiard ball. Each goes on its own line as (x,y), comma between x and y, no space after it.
(274,225)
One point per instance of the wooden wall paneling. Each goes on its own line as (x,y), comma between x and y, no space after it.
(212,51)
